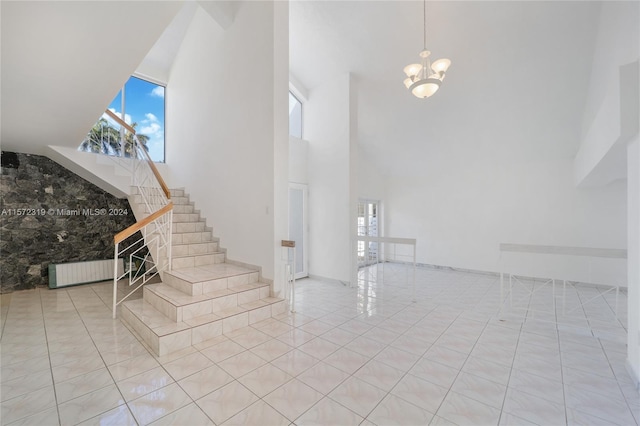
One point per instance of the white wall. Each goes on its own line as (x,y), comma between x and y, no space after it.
(372,182)
(220,141)
(280,138)
(329,132)
(617,44)
(460,213)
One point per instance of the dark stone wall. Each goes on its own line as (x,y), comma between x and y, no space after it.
(48,214)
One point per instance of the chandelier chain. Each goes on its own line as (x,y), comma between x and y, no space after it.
(424,13)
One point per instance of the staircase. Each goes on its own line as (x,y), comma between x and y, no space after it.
(203,296)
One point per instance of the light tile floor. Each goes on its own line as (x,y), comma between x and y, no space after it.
(366,355)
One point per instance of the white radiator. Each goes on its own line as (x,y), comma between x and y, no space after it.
(66,274)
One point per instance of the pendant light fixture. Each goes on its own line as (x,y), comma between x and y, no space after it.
(424,79)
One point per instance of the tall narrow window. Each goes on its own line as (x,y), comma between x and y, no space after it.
(367,226)
(143,105)
(295,117)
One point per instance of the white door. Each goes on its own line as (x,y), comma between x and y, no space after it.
(298,228)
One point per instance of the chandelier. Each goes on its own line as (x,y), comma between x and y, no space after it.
(424,79)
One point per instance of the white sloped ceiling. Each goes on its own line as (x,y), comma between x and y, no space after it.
(63,62)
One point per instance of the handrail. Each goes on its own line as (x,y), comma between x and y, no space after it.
(155,252)
(154,169)
(123,235)
(120,121)
(157,174)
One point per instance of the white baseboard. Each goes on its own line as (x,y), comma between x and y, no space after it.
(329,280)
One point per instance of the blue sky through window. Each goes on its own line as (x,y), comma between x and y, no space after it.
(144,105)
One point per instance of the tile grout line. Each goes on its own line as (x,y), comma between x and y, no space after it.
(102,358)
(520,330)
(46,336)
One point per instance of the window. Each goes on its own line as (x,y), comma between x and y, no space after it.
(295,117)
(143,108)
(367,226)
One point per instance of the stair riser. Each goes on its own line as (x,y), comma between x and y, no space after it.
(183,208)
(163,345)
(167,308)
(192,237)
(206,331)
(187,287)
(196,289)
(179,200)
(230,282)
(263,313)
(244,279)
(186,217)
(194,249)
(187,312)
(193,261)
(188,227)
(195,310)
(143,331)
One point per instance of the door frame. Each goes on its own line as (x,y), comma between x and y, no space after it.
(367,261)
(305,227)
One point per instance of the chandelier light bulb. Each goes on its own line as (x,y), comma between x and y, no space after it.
(412,70)
(425,89)
(441,65)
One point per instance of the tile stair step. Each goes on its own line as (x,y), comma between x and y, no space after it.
(177,192)
(178,306)
(183,253)
(195,260)
(196,281)
(192,249)
(202,297)
(179,238)
(180,200)
(164,336)
(214,272)
(184,208)
(189,227)
(186,217)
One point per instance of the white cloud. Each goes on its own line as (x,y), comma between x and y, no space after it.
(158,92)
(152,128)
(127,117)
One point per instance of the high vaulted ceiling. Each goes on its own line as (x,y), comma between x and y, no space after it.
(63,63)
(515,91)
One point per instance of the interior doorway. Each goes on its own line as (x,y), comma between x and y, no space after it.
(368,215)
(298,226)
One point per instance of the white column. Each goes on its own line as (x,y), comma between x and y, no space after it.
(280,138)
(633,259)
